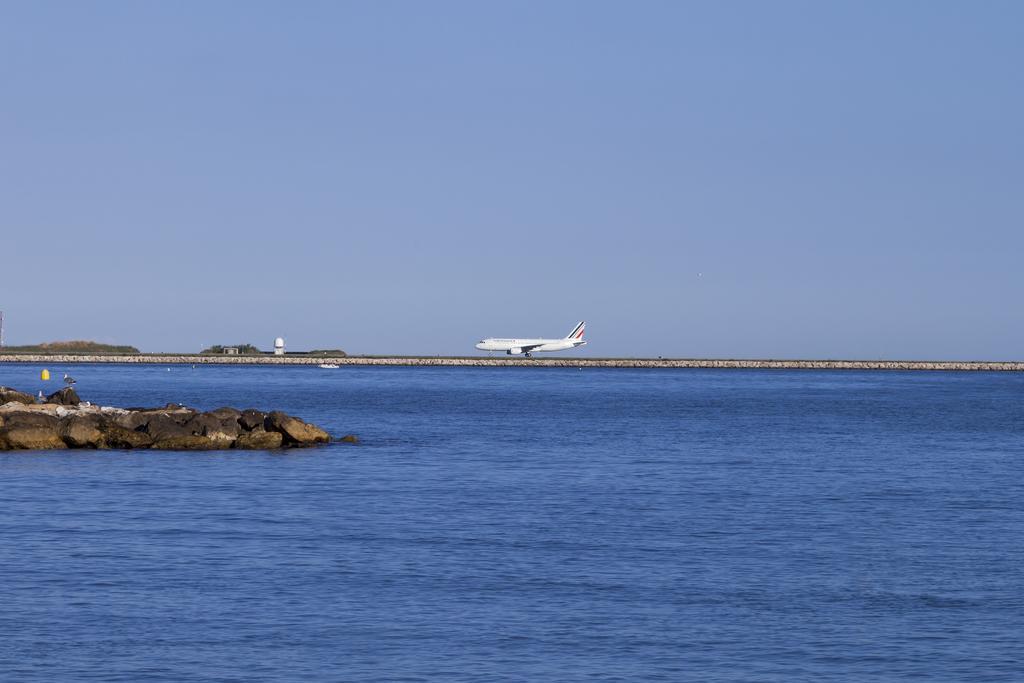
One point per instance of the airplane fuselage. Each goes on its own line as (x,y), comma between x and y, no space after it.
(516,346)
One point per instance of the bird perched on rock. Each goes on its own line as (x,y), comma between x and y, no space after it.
(68,379)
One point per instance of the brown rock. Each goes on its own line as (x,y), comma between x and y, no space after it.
(251,420)
(39,426)
(33,438)
(8,395)
(226,435)
(349,438)
(34,408)
(82,431)
(209,425)
(117,436)
(188,442)
(32,431)
(181,415)
(137,418)
(162,426)
(259,440)
(226,413)
(295,431)
(31,418)
(229,428)
(64,397)
(199,423)
(132,420)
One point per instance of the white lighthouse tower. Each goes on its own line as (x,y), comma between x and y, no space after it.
(279,346)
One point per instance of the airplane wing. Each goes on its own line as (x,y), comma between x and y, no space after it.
(529,347)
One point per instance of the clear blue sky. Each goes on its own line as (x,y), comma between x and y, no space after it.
(728,179)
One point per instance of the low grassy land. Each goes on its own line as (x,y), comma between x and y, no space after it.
(327,353)
(65,347)
(218,349)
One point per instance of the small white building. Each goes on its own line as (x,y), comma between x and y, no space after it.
(279,346)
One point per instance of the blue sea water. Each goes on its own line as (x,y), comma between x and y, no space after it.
(512,524)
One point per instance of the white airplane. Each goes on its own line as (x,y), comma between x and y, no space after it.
(514,347)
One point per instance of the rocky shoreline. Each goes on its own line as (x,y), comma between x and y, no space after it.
(507,361)
(64,421)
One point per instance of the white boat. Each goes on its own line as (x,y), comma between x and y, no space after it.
(329,366)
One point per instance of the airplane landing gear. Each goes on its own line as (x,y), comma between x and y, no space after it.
(528,354)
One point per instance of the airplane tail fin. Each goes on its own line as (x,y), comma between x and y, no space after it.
(577,332)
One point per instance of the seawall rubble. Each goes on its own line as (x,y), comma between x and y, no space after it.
(64,421)
(507,361)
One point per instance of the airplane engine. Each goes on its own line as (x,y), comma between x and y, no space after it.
(514,351)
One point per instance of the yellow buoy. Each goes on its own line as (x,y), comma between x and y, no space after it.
(45,374)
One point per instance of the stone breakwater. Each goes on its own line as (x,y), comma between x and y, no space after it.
(172,359)
(64,421)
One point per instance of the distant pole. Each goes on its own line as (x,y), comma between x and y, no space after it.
(1,329)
